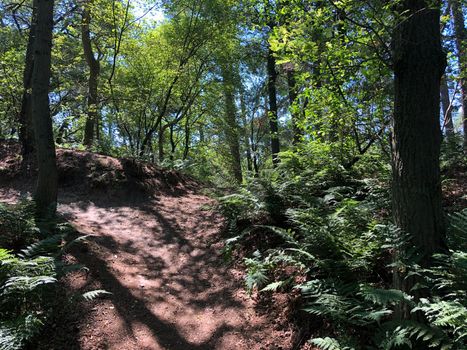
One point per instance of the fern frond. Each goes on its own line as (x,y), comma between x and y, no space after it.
(457,231)
(94,294)
(16,333)
(328,344)
(272,287)
(384,297)
(48,246)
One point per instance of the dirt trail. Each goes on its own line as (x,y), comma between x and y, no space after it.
(161,258)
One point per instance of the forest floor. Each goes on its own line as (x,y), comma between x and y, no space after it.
(156,245)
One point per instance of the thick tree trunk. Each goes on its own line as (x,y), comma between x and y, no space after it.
(91,125)
(419,63)
(26,131)
(461,36)
(447,108)
(46,190)
(273,118)
(231,125)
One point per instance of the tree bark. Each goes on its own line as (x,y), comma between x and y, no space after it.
(272,115)
(461,35)
(419,63)
(26,130)
(173,145)
(447,108)
(91,125)
(231,125)
(160,142)
(46,189)
(245,132)
(186,149)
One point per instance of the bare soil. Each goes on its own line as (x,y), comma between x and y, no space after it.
(156,245)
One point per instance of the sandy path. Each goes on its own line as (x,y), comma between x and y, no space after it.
(171,289)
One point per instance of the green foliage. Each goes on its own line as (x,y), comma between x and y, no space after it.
(452,153)
(333,238)
(17,224)
(29,278)
(328,344)
(24,286)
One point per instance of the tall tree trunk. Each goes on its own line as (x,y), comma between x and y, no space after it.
(61,132)
(26,131)
(173,145)
(160,142)
(292,97)
(231,125)
(146,141)
(447,108)
(201,135)
(245,132)
(273,118)
(186,149)
(461,36)
(46,190)
(91,125)
(254,148)
(419,63)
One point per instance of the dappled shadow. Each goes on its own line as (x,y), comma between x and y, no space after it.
(162,261)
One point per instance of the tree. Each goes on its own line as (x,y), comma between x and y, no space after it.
(273,117)
(26,131)
(46,189)
(446,104)
(461,36)
(92,123)
(419,64)
(231,125)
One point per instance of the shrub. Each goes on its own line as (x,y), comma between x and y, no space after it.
(29,277)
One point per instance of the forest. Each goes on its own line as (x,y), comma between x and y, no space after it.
(233,174)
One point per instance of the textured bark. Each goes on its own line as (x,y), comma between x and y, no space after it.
(231,125)
(26,130)
(273,120)
(91,125)
(46,190)
(419,63)
(447,108)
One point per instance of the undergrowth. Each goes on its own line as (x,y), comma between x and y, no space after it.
(29,276)
(328,237)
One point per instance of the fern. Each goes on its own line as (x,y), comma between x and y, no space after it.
(384,297)
(94,294)
(457,237)
(256,272)
(28,278)
(15,334)
(329,344)
(274,286)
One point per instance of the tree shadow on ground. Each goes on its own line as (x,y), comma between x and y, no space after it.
(200,279)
